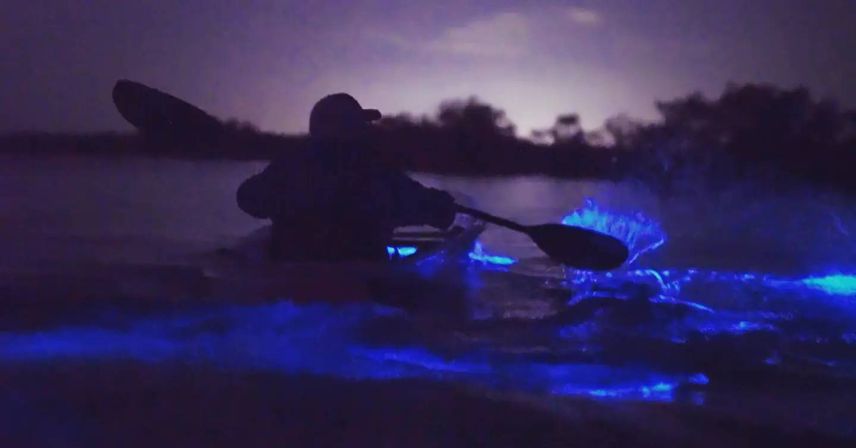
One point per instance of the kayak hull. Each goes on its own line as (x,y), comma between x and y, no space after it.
(236,276)
(245,271)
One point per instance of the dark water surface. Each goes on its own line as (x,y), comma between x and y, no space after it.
(736,324)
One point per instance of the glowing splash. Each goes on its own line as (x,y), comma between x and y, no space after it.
(667,285)
(640,233)
(478,254)
(837,284)
(643,234)
(400,251)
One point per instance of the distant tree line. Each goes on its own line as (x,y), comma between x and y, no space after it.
(781,137)
(751,132)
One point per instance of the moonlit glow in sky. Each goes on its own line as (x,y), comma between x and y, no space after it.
(268,61)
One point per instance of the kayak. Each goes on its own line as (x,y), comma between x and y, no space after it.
(416,256)
(418,260)
(409,245)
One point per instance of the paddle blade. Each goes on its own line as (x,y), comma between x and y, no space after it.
(578,247)
(153,111)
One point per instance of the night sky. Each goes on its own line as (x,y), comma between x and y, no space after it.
(268,61)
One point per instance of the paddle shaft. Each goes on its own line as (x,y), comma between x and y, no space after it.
(492,219)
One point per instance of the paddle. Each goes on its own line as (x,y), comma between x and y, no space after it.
(572,246)
(151,110)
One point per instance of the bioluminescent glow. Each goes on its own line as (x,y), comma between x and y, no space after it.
(686,306)
(773,360)
(700,379)
(479,255)
(640,233)
(596,346)
(581,332)
(836,284)
(693,306)
(408,361)
(669,283)
(735,328)
(400,251)
(654,392)
(610,382)
(320,339)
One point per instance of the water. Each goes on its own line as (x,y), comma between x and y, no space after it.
(735,301)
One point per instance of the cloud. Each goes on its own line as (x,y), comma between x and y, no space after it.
(505,34)
(583,16)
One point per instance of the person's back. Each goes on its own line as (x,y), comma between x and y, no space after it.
(334,202)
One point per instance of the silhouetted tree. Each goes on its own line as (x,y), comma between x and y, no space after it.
(475,118)
(749,131)
(566,129)
(622,130)
(235,125)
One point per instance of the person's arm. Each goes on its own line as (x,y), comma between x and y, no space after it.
(417,204)
(254,197)
(274,192)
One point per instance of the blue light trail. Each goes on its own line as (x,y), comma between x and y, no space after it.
(321,339)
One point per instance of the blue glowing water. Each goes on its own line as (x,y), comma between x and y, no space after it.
(400,251)
(838,284)
(478,254)
(762,303)
(637,333)
(320,339)
(663,307)
(639,232)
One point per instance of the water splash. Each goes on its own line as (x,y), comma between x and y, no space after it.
(668,285)
(685,306)
(836,284)
(642,234)
(478,254)
(400,251)
(639,232)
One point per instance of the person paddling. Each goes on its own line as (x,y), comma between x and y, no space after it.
(336,201)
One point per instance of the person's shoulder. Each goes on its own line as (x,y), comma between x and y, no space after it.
(292,161)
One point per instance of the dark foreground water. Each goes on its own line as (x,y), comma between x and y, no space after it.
(735,323)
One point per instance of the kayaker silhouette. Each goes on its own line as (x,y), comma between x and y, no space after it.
(336,201)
